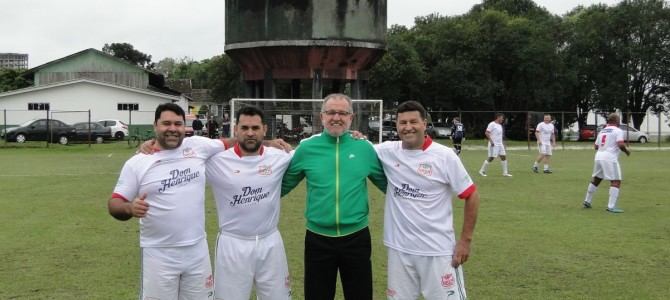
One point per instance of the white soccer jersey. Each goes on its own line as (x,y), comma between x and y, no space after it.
(546,130)
(174,181)
(608,143)
(418,213)
(495,131)
(247,190)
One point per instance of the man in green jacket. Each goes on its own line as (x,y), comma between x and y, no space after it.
(337,238)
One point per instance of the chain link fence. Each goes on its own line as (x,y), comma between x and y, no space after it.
(295,123)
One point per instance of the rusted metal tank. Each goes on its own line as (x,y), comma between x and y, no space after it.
(305,39)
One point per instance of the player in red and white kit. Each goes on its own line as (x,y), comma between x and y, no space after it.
(246,181)
(609,143)
(424,256)
(545,133)
(166,191)
(494,135)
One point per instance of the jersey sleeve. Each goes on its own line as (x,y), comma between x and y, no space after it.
(458,177)
(210,147)
(294,174)
(619,136)
(128,186)
(489,128)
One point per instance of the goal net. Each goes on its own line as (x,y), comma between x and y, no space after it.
(295,119)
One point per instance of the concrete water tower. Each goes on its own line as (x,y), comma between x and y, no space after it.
(305,48)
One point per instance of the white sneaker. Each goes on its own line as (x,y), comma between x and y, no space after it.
(507,175)
(482,173)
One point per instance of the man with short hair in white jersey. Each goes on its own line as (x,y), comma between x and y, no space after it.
(246,182)
(494,136)
(424,257)
(546,139)
(166,191)
(608,144)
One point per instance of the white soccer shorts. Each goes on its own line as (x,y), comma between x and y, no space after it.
(545,149)
(608,170)
(410,276)
(496,150)
(183,273)
(242,263)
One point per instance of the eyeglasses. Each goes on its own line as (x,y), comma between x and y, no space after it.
(332,113)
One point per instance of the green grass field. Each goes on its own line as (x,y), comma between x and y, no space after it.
(533,240)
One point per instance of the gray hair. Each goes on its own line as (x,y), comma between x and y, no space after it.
(337,96)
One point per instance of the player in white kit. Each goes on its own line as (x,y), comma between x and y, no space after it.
(494,135)
(424,256)
(166,191)
(608,144)
(545,134)
(246,181)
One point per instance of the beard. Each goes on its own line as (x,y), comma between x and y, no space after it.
(250,146)
(167,145)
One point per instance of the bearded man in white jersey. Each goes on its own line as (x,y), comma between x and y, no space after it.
(545,134)
(166,191)
(424,257)
(246,182)
(609,144)
(494,136)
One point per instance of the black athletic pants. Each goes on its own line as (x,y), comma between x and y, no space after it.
(349,254)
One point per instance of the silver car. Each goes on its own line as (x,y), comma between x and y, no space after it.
(630,134)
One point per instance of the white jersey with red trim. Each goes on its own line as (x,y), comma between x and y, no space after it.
(418,214)
(495,131)
(247,190)
(546,130)
(174,181)
(608,143)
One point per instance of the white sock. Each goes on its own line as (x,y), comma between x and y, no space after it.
(534,164)
(546,167)
(589,193)
(484,166)
(504,166)
(614,196)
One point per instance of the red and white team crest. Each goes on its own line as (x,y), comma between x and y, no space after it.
(287,282)
(188,152)
(425,169)
(265,170)
(448,280)
(390,292)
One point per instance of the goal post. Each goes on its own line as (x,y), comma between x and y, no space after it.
(294,119)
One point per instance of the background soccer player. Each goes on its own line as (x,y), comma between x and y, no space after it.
(609,144)
(494,136)
(457,134)
(545,133)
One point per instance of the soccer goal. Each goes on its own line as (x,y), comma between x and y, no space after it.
(295,119)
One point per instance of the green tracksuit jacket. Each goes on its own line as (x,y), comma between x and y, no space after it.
(337,194)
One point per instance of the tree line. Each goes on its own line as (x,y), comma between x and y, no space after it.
(503,55)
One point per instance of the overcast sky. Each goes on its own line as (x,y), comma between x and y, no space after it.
(50,29)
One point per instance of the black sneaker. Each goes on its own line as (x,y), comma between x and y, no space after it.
(587,205)
(548,171)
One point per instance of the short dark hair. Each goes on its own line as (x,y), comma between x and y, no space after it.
(169,107)
(411,105)
(250,111)
(498,115)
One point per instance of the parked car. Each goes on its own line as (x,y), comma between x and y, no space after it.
(118,129)
(438,130)
(98,133)
(630,134)
(389,131)
(40,130)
